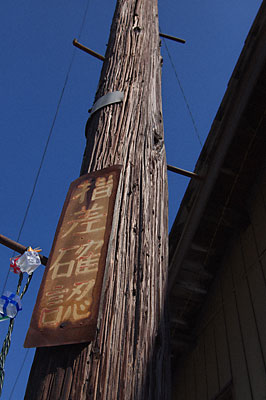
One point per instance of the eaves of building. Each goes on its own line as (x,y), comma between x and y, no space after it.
(214,209)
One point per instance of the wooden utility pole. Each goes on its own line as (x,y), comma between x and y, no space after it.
(128,358)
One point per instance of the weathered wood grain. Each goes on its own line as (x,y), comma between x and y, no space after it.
(200,369)
(247,318)
(240,372)
(222,346)
(128,358)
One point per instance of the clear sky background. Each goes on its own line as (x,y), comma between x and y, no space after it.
(36,52)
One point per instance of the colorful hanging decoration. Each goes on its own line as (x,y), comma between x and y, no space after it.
(27,262)
(10,304)
(13,265)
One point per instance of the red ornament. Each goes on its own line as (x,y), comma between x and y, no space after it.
(13,265)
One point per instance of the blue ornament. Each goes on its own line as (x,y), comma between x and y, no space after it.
(10,304)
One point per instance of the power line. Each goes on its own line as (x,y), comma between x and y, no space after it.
(43,157)
(183,93)
(7,341)
(39,170)
(84,19)
(49,136)
(18,374)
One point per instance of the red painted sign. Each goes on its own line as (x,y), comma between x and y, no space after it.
(67,306)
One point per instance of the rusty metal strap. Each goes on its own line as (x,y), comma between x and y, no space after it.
(106,100)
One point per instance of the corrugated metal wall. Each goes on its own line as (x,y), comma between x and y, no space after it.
(231,336)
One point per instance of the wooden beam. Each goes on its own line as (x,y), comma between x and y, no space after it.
(177,321)
(228,172)
(199,248)
(182,340)
(19,248)
(175,39)
(196,267)
(87,50)
(191,287)
(183,172)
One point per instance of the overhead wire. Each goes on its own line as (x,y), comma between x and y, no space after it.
(49,137)
(43,157)
(183,93)
(38,175)
(7,341)
(18,374)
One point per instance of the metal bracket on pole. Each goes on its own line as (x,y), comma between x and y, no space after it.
(106,100)
(175,39)
(183,172)
(87,50)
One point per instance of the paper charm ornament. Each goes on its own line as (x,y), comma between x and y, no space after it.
(10,304)
(13,265)
(29,261)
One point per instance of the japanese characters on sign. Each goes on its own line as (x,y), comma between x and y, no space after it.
(69,296)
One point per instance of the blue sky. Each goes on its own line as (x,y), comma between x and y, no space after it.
(36,50)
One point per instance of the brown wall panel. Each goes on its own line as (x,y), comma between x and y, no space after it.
(190,378)
(200,370)
(258,220)
(240,373)
(211,362)
(256,281)
(223,359)
(248,325)
(179,385)
(231,328)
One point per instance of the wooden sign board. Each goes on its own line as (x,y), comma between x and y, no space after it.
(68,301)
